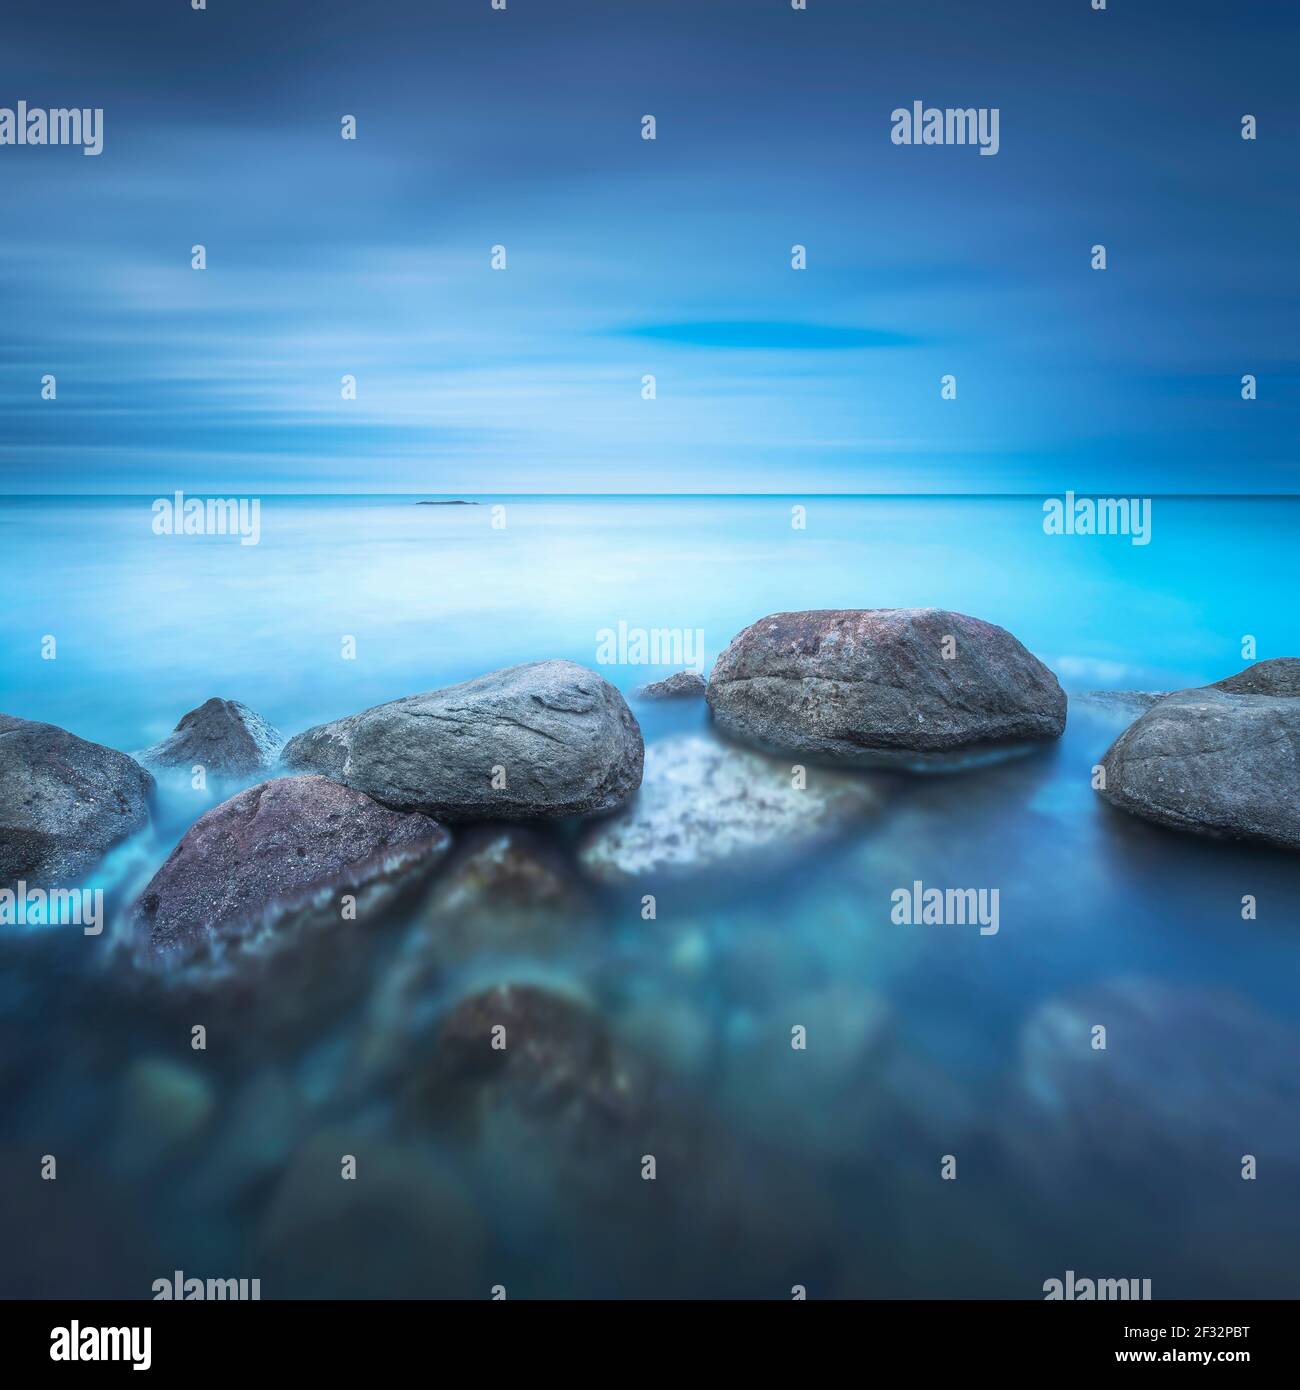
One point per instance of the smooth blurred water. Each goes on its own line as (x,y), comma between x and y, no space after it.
(917,1034)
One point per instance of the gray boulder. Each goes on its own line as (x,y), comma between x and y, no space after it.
(273,847)
(681,685)
(913,687)
(707,807)
(561,740)
(1279,676)
(63,801)
(1222,760)
(227,738)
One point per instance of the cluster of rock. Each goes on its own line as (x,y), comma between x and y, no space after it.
(818,697)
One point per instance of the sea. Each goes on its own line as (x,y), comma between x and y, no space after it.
(953,1125)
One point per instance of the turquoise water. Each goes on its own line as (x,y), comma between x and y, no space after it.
(920,1037)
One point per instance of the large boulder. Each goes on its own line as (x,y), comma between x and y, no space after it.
(63,801)
(225,737)
(1222,760)
(275,846)
(1279,676)
(706,807)
(912,687)
(541,740)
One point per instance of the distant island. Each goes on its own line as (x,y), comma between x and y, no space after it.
(457,503)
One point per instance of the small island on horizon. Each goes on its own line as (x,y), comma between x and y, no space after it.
(457,503)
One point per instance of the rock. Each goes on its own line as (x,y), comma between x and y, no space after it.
(274,846)
(63,801)
(405,1226)
(1129,702)
(165,1106)
(225,737)
(558,1072)
(1190,1079)
(872,687)
(682,685)
(505,893)
(1222,760)
(562,739)
(1279,676)
(705,806)
(505,887)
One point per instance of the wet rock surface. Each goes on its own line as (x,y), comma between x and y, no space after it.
(681,685)
(223,736)
(1222,760)
(888,686)
(271,847)
(63,802)
(542,740)
(707,806)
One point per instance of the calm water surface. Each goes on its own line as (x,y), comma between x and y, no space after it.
(776,1168)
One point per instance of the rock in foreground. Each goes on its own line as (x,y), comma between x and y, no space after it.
(274,846)
(681,685)
(223,736)
(705,806)
(540,1054)
(912,687)
(541,740)
(63,801)
(1223,760)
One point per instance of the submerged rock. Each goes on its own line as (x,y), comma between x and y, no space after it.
(541,740)
(1189,1081)
(165,1106)
(912,687)
(405,1226)
(705,806)
(537,1058)
(225,737)
(63,801)
(506,887)
(681,685)
(1222,760)
(273,847)
(1130,702)
(505,893)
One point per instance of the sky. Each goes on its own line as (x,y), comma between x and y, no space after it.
(627,257)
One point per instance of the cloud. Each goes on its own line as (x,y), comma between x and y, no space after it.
(769,335)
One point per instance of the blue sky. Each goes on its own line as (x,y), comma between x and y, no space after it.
(670,257)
